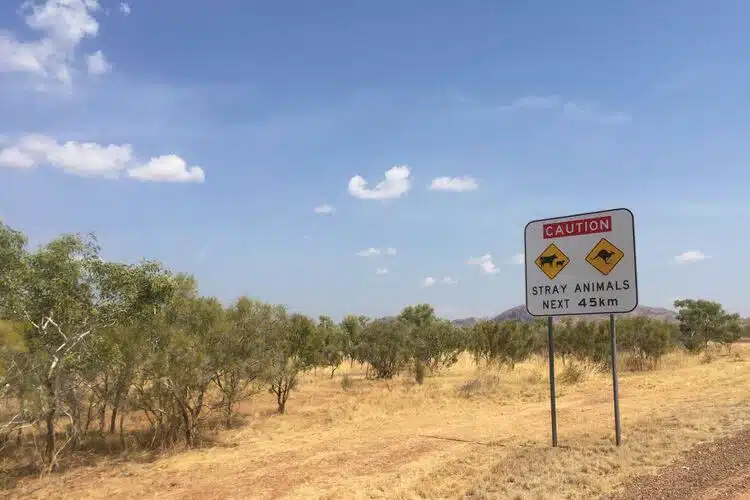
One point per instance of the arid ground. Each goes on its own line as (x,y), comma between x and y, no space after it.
(463,434)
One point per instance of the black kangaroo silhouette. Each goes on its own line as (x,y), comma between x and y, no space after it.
(547,259)
(604,255)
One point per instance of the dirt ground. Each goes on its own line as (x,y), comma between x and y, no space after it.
(711,471)
(490,439)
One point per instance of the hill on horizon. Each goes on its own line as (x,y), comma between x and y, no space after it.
(519,313)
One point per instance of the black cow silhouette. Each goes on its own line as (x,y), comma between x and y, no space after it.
(547,259)
(605,255)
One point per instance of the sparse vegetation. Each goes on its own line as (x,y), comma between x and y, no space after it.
(101,354)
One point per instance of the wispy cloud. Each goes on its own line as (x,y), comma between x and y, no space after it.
(428,281)
(517,259)
(690,256)
(485,263)
(587,111)
(369,252)
(97,64)
(372,252)
(324,209)
(456,184)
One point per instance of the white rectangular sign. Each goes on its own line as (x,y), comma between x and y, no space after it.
(581,264)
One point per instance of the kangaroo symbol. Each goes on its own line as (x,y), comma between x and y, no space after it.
(604,255)
(547,260)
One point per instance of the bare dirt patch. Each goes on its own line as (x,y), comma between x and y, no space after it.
(711,471)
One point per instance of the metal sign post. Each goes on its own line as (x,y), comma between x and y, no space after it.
(615,388)
(553,410)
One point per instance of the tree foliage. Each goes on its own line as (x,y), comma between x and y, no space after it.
(704,321)
(506,343)
(85,342)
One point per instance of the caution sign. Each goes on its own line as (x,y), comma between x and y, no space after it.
(552,261)
(604,256)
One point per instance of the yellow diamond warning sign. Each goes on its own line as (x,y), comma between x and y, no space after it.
(604,256)
(552,261)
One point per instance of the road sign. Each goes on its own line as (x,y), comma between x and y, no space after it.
(552,261)
(604,256)
(581,264)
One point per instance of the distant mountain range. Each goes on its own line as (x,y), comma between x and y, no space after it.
(519,313)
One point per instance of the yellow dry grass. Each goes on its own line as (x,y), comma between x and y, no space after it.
(396,439)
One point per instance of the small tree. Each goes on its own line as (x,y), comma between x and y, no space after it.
(385,345)
(436,343)
(352,327)
(239,361)
(703,321)
(646,340)
(521,342)
(504,343)
(289,347)
(331,343)
(487,341)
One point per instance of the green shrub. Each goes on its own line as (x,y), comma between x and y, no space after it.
(506,343)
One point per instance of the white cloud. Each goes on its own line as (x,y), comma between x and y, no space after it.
(517,259)
(125,8)
(570,108)
(167,168)
(97,64)
(395,184)
(457,184)
(15,158)
(88,159)
(690,256)
(485,263)
(430,281)
(370,252)
(381,271)
(62,26)
(79,158)
(324,209)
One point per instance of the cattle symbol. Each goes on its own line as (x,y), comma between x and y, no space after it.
(547,259)
(604,255)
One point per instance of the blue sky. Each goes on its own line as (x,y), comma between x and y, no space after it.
(229,125)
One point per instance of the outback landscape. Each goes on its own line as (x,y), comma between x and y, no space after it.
(315,224)
(121,381)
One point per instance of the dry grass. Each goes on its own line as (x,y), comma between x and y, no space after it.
(467,433)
